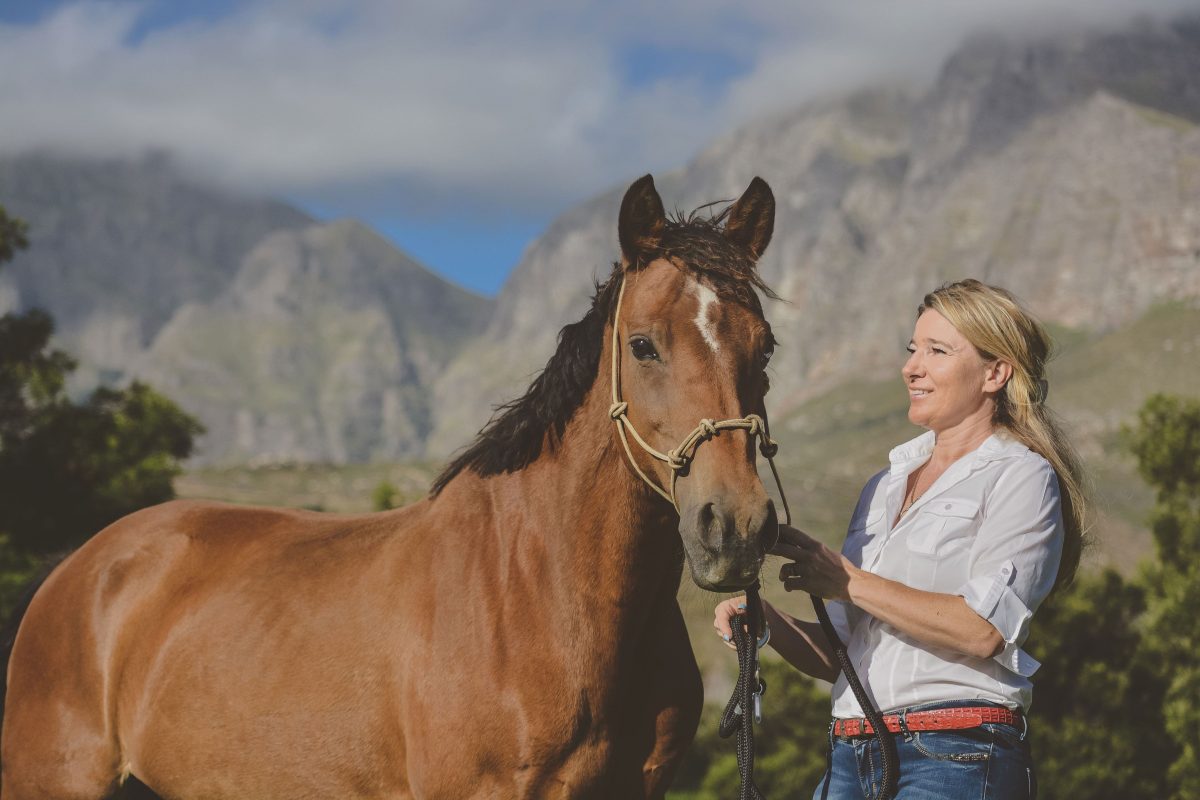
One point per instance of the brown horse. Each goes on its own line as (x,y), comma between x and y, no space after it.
(515,634)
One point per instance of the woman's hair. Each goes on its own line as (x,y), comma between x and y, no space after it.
(994,322)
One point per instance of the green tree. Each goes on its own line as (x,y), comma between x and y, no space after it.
(67,469)
(1166,441)
(1096,724)
(13,236)
(385,497)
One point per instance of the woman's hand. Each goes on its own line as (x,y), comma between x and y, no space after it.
(724,612)
(815,568)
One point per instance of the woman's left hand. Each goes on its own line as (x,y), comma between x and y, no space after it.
(815,568)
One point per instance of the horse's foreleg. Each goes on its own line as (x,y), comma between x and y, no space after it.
(677,695)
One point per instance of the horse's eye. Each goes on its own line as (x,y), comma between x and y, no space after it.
(643,349)
(766,356)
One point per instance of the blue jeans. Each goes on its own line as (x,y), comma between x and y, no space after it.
(991,762)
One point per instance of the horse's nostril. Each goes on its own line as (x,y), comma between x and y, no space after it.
(707,515)
(770,529)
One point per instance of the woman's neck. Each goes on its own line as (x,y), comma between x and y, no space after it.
(955,442)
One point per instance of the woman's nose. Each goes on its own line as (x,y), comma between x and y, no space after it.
(912,367)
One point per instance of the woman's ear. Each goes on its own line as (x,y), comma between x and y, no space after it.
(996,375)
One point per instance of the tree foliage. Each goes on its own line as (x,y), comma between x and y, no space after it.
(1096,722)
(1166,442)
(385,497)
(67,469)
(13,236)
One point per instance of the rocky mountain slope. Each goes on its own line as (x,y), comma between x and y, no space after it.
(290,340)
(1067,169)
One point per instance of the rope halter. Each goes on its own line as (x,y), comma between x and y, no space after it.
(681,457)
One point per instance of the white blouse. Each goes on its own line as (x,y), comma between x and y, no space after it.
(989,529)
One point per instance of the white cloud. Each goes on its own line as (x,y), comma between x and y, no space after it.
(523,103)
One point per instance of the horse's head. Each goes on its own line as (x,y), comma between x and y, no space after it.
(691,348)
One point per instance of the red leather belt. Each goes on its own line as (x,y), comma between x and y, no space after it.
(938,719)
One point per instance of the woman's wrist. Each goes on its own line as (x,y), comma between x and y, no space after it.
(858,584)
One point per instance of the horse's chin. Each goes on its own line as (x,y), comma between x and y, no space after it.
(724,574)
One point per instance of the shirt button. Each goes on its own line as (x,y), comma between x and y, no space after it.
(948,506)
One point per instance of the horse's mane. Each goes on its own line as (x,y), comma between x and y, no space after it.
(519,429)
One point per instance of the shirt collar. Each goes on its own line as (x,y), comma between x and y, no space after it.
(907,456)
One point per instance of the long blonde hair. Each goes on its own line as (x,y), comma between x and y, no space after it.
(996,324)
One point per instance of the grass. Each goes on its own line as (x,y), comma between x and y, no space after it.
(320,487)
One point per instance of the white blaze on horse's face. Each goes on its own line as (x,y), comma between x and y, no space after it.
(706,316)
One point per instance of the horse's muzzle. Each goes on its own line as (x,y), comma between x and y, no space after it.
(726,543)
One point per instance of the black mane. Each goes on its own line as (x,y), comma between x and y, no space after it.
(519,429)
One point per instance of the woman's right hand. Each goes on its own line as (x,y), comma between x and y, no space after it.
(724,612)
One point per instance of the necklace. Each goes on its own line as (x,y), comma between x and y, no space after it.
(913,495)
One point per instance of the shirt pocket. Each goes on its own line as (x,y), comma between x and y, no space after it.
(944,526)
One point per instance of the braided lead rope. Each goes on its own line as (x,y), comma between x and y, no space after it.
(682,456)
(744,707)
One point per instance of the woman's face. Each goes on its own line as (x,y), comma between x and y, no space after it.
(948,381)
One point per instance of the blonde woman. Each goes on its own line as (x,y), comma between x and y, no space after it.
(949,553)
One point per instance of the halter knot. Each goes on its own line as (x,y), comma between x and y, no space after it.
(756,425)
(618,409)
(709,427)
(768,447)
(677,461)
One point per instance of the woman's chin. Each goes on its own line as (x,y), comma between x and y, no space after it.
(918,417)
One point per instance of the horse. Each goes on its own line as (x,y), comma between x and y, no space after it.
(514,634)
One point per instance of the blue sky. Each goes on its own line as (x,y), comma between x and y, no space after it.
(458,129)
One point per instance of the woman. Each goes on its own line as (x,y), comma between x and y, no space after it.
(949,552)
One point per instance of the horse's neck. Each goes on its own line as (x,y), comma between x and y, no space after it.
(615,543)
(604,547)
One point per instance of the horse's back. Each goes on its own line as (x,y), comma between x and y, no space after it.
(170,609)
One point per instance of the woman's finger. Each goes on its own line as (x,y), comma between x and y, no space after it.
(791,551)
(795,537)
(726,611)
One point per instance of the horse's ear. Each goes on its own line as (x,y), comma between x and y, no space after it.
(751,219)
(642,220)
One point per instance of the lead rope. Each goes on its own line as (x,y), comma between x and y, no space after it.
(745,706)
(744,637)
(888,755)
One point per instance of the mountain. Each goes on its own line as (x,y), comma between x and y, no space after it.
(322,348)
(1066,168)
(289,339)
(117,247)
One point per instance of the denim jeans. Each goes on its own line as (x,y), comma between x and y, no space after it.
(991,762)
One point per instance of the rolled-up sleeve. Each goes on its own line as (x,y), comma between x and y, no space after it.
(1016,553)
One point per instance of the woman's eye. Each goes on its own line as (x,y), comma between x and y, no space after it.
(642,349)
(939,351)
(910,349)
